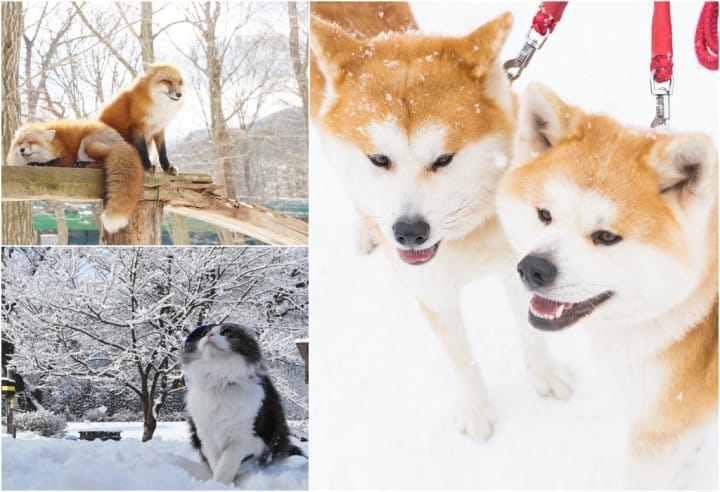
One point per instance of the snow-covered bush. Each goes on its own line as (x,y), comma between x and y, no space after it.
(95,415)
(126,416)
(42,422)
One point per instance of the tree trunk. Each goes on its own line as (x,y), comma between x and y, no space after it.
(17,225)
(218,125)
(145,226)
(62,227)
(179,234)
(12,25)
(147,49)
(299,62)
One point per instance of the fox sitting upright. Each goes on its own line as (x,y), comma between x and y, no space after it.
(67,143)
(141,112)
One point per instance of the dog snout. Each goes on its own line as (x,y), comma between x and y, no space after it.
(536,271)
(411,233)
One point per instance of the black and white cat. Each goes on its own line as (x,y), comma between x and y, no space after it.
(236,416)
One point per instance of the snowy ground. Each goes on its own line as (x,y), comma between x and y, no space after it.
(165,462)
(383,391)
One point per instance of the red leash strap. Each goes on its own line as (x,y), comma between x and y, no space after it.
(662,51)
(661,64)
(706,36)
(548,16)
(543,24)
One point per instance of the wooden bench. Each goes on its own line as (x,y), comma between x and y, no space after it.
(103,435)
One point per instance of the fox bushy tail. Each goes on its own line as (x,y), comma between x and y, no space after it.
(123,186)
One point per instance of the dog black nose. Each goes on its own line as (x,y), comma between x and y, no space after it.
(411,234)
(536,272)
(178,94)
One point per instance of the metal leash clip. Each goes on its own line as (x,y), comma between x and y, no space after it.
(533,42)
(662,95)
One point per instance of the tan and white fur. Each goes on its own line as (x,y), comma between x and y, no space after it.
(617,231)
(420,128)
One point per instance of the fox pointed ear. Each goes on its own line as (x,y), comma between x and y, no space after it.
(482,47)
(686,166)
(333,47)
(50,135)
(543,120)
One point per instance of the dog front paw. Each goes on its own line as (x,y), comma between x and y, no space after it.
(475,419)
(552,382)
(364,239)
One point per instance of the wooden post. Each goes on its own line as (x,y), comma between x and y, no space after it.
(303,347)
(145,226)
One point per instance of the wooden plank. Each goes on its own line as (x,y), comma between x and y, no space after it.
(52,184)
(190,195)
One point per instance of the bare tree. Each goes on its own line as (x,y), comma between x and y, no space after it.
(17,225)
(299,55)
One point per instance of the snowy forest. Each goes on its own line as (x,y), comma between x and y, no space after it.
(97,333)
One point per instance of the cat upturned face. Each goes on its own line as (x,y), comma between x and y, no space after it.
(222,339)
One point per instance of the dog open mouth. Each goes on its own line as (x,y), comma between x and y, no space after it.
(546,314)
(418,256)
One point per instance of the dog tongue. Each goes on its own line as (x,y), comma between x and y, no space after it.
(544,306)
(416,255)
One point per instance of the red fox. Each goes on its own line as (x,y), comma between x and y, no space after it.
(85,143)
(141,112)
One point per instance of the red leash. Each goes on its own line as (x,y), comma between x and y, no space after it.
(661,64)
(662,50)
(706,36)
(543,24)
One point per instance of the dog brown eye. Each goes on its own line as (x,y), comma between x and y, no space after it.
(380,160)
(544,215)
(442,161)
(606,238)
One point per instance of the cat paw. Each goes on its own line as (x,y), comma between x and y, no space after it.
(552,382)
(475,419)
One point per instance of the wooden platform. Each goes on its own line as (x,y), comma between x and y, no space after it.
(191,195)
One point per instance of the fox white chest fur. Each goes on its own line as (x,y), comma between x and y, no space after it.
(162,112)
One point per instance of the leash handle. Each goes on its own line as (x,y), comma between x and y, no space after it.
(544,22)
(661,64)
(706,36)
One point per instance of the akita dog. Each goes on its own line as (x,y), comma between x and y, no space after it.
(617,231)
(421,129)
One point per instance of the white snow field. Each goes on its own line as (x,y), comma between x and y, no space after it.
(383,391)
(167,462)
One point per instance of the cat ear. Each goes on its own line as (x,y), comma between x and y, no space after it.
(50,135)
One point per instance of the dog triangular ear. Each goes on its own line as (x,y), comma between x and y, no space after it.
(481,47)
(333,47)
(543,120)
(686,166)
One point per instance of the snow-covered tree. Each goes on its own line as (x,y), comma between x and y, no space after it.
(118,317)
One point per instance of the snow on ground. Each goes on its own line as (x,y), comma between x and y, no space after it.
(383,390)
(167,462)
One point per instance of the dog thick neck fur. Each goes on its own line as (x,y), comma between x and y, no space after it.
(420,128)
(627,218)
